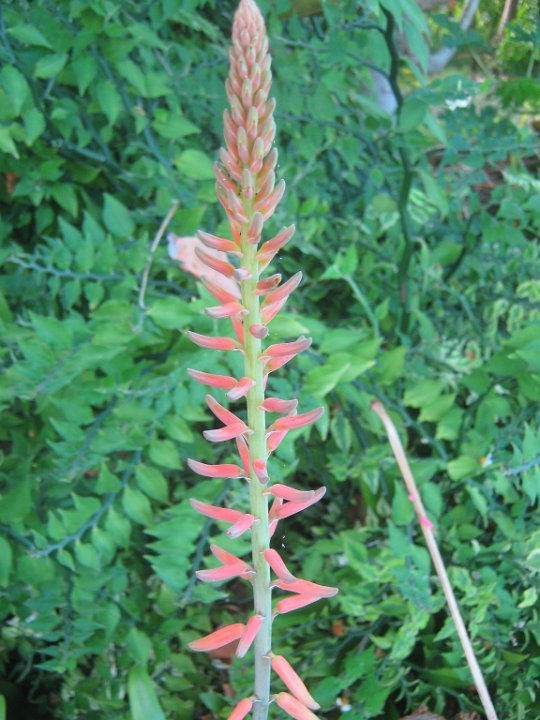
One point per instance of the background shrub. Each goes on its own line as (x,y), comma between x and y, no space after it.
(418,235)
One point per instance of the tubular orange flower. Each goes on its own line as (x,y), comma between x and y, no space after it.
(246,187)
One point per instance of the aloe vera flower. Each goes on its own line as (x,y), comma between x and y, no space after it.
(247,189)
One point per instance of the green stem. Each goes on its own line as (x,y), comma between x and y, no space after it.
(406,184)
(259,502)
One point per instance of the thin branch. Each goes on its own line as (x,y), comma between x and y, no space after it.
(164,225)
(522,468)
(505,17)
(427,529)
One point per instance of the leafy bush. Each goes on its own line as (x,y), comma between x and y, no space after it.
(419,242)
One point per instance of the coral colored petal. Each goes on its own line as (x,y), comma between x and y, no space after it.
(293,682)
(260,470)
(218,639)
(290,493)
(294,707)
(241,710)
(272,527)
(241,525)
(259,331)
(283,291)
(274,439)
(269,312)
(224,556)
(248,636)
(277,405)
(229,432)
(286,349)
(226,470)
(226,416)
(291,508)
(215,512)
(295,602)
(241,389)
(223,382)
(220,266)
(218,243)
(238,327)
(273,558)
(306,587)
(230,293)
(213,343)
(276,505)
(224,572)
(225,311)
(268,284)
(276,363)
(294,422)
(243,450)
(273,246)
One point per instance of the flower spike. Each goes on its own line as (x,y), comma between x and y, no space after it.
(249,191)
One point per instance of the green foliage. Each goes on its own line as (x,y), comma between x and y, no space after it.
(417,239)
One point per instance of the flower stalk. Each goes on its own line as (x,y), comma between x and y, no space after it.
(440,568)
(246,187)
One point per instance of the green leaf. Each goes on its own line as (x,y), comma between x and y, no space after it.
(133,74)
(34,124)
(152,482)
(109,100)
(117,217)
(412,114)
(85,69)
(86,555)
(139,645)
(6,560)
(143,701)
(118,527)
(402,507)
(6,142)
(195,164)
(172,313)
(530,596)
(2,708)
(16,504)
(164,453)
(29,35)
(479,501)
(137,506)
(50,65)
(463,466)
(16,87)
(322,380)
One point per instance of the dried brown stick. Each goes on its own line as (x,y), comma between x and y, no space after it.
(164,225)
(427,529)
